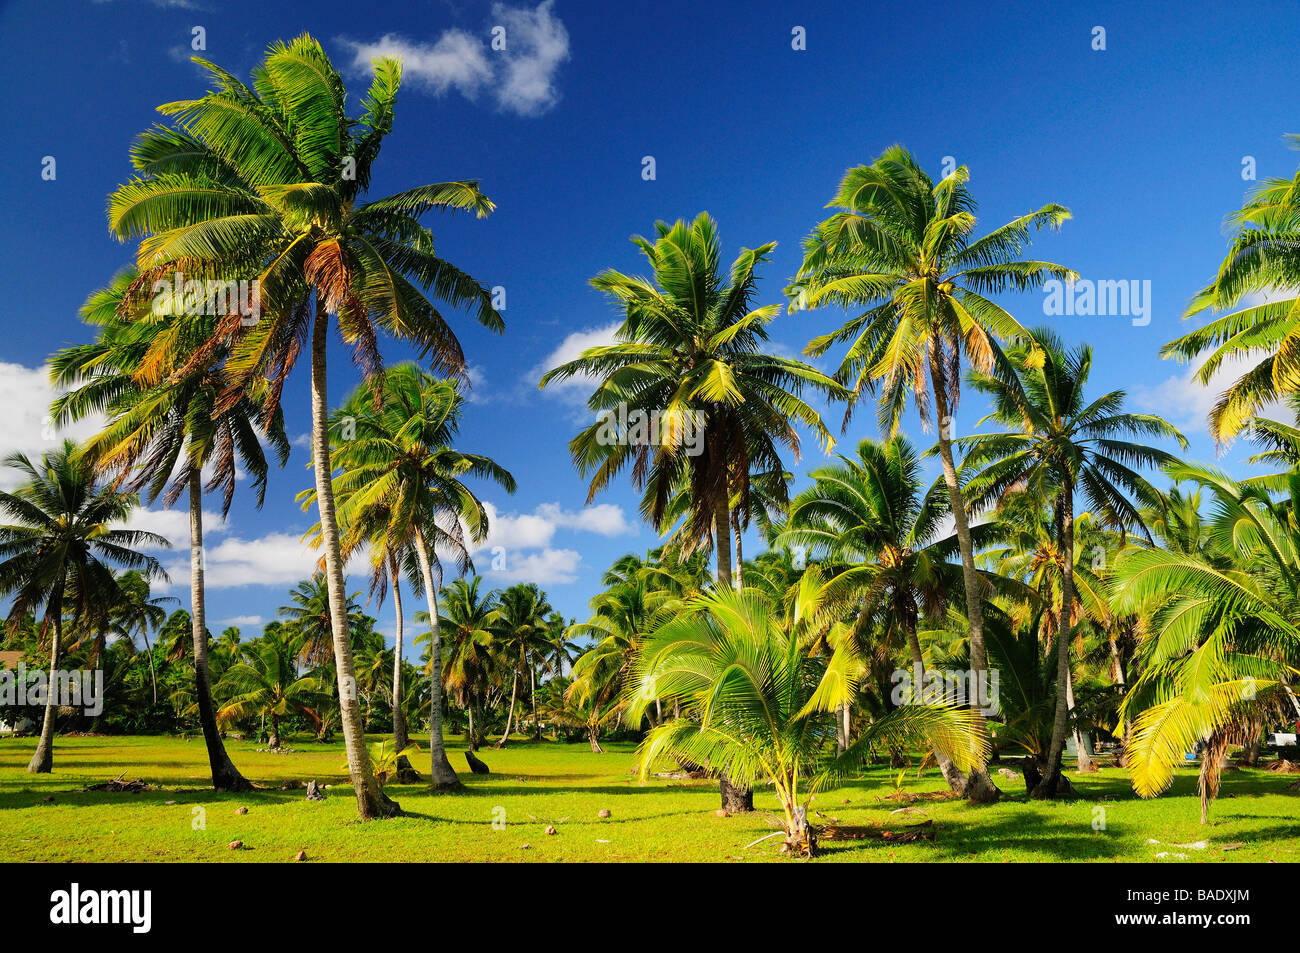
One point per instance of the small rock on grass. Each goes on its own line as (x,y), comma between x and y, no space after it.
(235,845)
(301,855)
(241,810)
(550,830)
(721,813)
(603,812)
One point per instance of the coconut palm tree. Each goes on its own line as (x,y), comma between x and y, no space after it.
(58,545)
(559,649)
(266,184)
(755,696)
(164,430)
(266,682)
(309,624)
(401,490)
(901,253)
(691,354)
(467,625)
(1058,444)
(878,532)
(1263,261)
(1222,646)
(519,632)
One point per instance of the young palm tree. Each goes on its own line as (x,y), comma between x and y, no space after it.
(166,428)
(396,462)
(1263,257)
(520,631)
(878,533)
(901,252)
(754,694)
(266,682)
(690,353)
(309,623)
(266,184)
(58,546)
(1223,638)
(559,650)
(1060,444)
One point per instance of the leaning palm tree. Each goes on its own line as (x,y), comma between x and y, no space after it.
(756,698)
(164,429)
(394,450)
(692,361)
(1263,258)
(1059,444)
(901,253)
(58,546)
(1222,648)
(266,183)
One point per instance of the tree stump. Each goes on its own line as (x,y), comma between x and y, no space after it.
(314,793)
(735,800)
(475,765)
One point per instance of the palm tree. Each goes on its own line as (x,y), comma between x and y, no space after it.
(520,637)
(468,620)
(1059,443)
(756,696)
(901,250)
(1263,257)
(690,354)
(164,427)
(401,490)
(309,621)
(1223,638)
(58,547)
(266,184)
(266,682)
(559,650)
(879,534)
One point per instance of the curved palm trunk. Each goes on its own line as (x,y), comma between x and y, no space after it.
(1082,739)
(510,716)
(532,694)
(406,774)
(43,759)
(440,769)
(225,776)
(740,562)
(372,803)
(979,786)
(1051,780)
(1117,665)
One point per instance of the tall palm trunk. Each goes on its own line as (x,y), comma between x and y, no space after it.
(532,694)
(405,774)
(372,803)
(43,759)
(440,769)
(1082,739)
(225,776)
(735,799)
(1117,665)
(510,716)
(1051,779)
(979,786)
(740,562)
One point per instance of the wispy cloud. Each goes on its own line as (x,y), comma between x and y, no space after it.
(521,78)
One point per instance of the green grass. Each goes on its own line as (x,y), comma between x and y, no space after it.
(533,785)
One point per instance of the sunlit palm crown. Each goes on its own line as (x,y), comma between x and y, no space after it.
(692,342)
(1263,257)
(901,252)
(266,182)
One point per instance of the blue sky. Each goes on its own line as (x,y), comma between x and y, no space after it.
(1144,141)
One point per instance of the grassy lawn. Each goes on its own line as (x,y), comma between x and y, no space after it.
(566,785)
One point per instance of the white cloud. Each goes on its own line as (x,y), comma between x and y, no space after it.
(242,620)
(25,395)
(174,525)
(1186,403)
(548,567)
(535,530)
(574,390)
(521,78)
(607,519)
